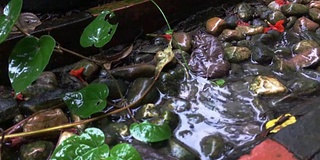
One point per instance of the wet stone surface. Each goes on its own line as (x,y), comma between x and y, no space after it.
(302,138)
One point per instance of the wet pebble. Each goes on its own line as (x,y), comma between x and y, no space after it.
(215,25)
(274,6)
(249,31)
(181,40)
(304,45)
(276,16)
(39,150)
(305,24)
(212,146)
(137,90)
(244,11)
(132,72)
(45,82)
(305,59)
(90,69)
(45,119)
(263,85)
(229,35)
(147,111)
(44,100)
(294,9)
(179,151)
(261,53)
(237,54)
(314,14)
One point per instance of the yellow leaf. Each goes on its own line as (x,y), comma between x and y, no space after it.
(279,125)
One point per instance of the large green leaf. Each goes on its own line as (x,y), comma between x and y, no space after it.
(89,100)
(28,59)
(89,146)
(149,132)
(124,151)
(99,32)
(9,17)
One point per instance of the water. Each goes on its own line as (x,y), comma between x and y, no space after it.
(228,111)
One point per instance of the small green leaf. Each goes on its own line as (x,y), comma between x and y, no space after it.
(10,15)
(148,132)
(28,59)
(124,151)
(89,145)
(219,82)
(89,100)
(99,32)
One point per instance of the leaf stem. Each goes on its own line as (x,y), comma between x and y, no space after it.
(164,16)
(77,54)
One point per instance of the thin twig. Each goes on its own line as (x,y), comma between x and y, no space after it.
(22,31)
(77,54)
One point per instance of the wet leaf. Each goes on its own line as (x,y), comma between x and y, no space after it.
(89,100)
(124,151)
(89,145)
(219,82)
(77,73)
(117,57)
(9,17)
(278,26)
(28,59)
(163,58)
(99,32)
(282,2)
(149,132)
(280,122)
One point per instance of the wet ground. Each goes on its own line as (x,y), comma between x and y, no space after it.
(224,86)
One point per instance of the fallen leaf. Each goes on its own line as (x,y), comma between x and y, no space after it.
(278,26)
(281,2)
(77,73)
(280,122)
(117,57)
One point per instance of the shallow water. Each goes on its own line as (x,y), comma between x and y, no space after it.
(227,111)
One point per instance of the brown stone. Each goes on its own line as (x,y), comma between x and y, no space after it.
(215,25)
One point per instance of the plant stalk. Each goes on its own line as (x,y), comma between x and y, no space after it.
(164,16)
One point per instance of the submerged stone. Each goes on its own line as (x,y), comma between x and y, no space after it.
(39,150)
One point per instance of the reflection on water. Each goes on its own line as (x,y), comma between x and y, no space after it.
(227,111)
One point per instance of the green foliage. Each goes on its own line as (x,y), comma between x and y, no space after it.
(10,15)
(89,145)
(99,32)
(124,151)
(28,59)
(89,100)
(149,132)
(219,82)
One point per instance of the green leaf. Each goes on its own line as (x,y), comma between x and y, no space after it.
(89,146)
(99,32)
(124,151)
(219,82)
(10,15)
(89,100)
(28,59)
(149,132)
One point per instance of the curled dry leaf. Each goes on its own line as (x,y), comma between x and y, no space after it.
(117,57)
